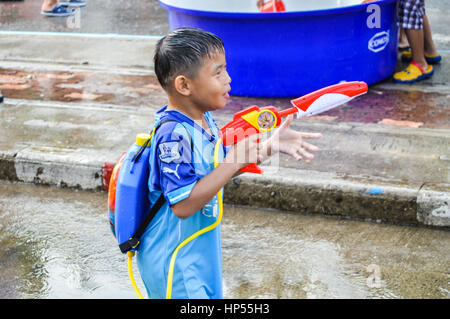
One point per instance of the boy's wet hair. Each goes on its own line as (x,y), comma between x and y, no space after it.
(182,52)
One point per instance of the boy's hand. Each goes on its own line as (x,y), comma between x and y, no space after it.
(288,141)
(284,140)
(245,152)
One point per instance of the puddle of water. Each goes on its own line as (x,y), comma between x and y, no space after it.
(81,87)
(284,255)
(56,243)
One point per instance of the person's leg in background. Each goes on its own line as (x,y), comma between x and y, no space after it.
(416,41)
(432,56)
(48,5)
(429,47)
(53,8)
(411,19)
(403,44)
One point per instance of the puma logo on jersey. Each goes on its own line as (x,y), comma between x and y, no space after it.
(173,171)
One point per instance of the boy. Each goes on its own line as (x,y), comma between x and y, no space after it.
(190,66)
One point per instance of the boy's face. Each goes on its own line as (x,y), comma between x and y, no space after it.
(211,85)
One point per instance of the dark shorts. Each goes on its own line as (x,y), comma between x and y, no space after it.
(410,14)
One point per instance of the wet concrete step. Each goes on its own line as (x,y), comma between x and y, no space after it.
(408,155)
(363,170)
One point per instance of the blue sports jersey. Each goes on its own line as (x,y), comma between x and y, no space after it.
(181,153)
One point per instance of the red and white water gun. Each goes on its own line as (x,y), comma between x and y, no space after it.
(254,119)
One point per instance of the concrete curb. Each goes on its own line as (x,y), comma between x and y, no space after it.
(75,168)
(279,188)
(327,193)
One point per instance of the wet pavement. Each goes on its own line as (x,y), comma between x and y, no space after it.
(116,89)
(388,107)
(99,16)
(56,243)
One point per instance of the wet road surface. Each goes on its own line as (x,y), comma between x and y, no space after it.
(389,107)
(105,16)
(56,243)
(145,17)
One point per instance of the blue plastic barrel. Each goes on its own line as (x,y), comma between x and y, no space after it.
(132,203)
(287,54)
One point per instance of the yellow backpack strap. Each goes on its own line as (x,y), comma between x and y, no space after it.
(198,233)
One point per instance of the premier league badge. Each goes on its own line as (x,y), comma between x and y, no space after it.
(169,151)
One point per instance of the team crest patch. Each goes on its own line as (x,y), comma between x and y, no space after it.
(169,151)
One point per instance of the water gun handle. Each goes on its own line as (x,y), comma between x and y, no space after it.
(248,122)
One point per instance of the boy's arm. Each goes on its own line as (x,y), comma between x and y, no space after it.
(247,151)
(205,189)
(240,155)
